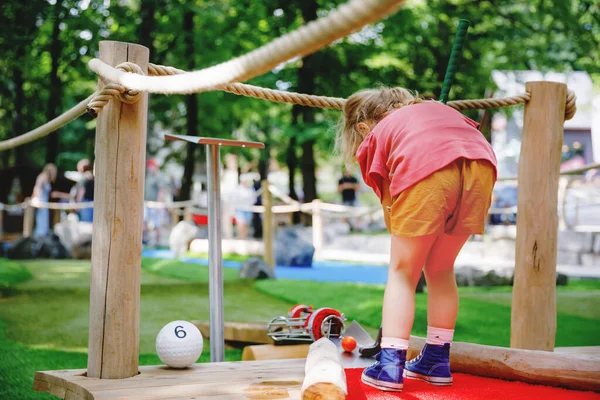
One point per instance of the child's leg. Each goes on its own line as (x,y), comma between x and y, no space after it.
(433,364)
(408,255)
(442,294)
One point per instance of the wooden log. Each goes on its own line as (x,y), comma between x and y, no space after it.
(267,200)
(324,374)
(117,234)
(28,218)
(272,352)
(573,371)
(244,332)
(533,317)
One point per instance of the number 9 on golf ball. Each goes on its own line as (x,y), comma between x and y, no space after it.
(179,344)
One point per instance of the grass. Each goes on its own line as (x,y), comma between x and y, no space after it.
(11,274)
(484,314)
(44,323)
(44,319)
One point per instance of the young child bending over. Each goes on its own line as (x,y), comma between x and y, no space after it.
(434,173)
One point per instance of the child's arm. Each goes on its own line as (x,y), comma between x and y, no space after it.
(386,203)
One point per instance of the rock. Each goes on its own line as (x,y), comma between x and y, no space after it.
(51,247)
(291,250)
(22,248)
(333,230)
(590,260)
(491,278)
(255,268)
(581,242)
(568,257)
(73,231)
(467,276)
(181,236)
(596,248)
(82,250)
(562,280)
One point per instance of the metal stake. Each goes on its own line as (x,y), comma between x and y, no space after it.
(215,264)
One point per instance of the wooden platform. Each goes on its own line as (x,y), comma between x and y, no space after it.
(273,379)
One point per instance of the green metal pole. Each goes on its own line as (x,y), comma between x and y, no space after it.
(459,40)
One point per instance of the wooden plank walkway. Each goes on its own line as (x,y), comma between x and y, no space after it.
(257,380)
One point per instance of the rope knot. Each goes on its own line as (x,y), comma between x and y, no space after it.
(116,90)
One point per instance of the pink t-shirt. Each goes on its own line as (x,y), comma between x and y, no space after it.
(414,141)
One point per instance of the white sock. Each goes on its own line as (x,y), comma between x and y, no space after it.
(394,343)
(439,336)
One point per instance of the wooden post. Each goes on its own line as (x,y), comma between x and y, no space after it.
(267,201)
(174,216)
(533,319)
(317,225)
(188,214)
(117,232)
(28,218)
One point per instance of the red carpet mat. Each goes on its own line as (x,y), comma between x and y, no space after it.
(465,387)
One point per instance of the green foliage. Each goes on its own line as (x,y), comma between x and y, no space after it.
(11,274)
(410,48)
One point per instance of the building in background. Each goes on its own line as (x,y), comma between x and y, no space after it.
(581,134)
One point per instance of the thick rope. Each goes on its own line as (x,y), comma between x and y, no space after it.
(258,92)
(307,39)
(115,90)
(48,127)
(338,102)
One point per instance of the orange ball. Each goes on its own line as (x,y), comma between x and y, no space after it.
(348,343)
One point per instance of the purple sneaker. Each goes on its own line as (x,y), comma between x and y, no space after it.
(432,365)
(386,373)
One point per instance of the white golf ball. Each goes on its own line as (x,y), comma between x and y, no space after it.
(179,344)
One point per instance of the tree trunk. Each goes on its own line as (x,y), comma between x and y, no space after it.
(55,85)
(292,162)
(18,116)
(191,111)
(147,10)
(306,84)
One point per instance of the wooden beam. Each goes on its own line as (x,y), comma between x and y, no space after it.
(533,318)
(574,371)
(272,352)
(244,332)
(118,218)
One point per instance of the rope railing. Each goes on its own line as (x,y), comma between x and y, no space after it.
(307,39)
(126,80)
(48,127)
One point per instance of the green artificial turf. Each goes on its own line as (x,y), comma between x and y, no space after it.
(484,314)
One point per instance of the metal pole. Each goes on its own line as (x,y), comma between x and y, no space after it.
(215,268)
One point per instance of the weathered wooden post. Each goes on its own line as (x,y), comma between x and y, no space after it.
(28,218)
(533,319)
(174,216)
(267,201)
(118,218)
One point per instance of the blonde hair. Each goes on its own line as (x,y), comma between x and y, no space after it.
(369,105)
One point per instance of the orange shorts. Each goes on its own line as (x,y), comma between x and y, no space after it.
(454,200)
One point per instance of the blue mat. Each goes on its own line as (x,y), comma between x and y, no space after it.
(321,271)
